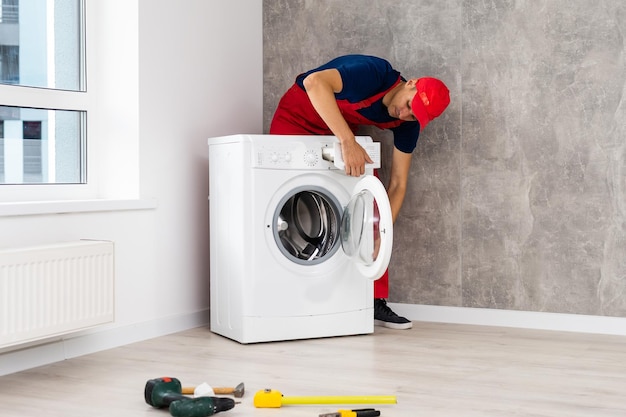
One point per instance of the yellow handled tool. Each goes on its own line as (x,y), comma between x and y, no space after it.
(363,412)
(269,398)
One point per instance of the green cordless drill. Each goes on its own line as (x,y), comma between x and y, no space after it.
(167,392)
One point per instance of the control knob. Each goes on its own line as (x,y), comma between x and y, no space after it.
(310,157)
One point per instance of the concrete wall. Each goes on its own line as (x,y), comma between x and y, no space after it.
(517,194)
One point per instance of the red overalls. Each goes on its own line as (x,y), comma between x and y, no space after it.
(296,115)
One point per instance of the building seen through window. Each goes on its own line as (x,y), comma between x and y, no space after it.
(41,52)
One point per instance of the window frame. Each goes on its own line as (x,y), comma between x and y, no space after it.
(112,104)
(57,99)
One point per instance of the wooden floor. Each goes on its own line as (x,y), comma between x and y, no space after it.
(432,369)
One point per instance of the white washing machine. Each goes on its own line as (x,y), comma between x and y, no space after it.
(295,244)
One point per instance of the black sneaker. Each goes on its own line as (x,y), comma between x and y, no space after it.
(384,316)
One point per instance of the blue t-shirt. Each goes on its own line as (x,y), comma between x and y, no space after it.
(364,76)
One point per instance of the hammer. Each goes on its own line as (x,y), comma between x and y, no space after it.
(167,392)
(237,391)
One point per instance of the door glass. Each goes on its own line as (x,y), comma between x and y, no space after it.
(307,226)
(360,228)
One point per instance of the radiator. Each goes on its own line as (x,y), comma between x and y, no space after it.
(48,291)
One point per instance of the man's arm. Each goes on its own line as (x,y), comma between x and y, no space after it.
(398,181)
(321,87)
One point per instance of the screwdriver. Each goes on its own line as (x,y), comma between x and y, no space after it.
(363,412)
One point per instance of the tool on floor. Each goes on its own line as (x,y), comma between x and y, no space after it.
(363,412)
(269,398)
(203,389)
(167,392)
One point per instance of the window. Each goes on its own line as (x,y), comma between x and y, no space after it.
(43,100)
(41,146)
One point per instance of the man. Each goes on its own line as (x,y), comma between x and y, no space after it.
(353,90)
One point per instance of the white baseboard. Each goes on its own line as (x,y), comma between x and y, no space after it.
(508,318)
(96,340)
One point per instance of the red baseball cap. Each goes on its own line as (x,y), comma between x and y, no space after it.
(430,101)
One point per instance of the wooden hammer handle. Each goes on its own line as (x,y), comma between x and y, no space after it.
(216,390)
(223,391)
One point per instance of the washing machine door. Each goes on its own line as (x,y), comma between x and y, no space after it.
(367,228)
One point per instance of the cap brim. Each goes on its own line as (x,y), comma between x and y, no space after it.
(419,111)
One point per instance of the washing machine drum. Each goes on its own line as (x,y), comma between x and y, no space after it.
(308,226)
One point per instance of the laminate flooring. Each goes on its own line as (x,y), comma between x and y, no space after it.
(432,369)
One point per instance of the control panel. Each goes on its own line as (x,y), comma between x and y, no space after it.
(288,155)
(316,152)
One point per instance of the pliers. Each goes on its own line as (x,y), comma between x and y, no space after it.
(363,412)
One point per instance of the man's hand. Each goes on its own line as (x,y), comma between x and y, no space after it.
(354,158)
(321,86)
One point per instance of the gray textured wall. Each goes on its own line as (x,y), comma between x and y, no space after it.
(517,194)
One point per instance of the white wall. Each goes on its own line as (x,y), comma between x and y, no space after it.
(188,71)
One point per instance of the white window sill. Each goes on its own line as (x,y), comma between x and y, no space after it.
(30,208)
